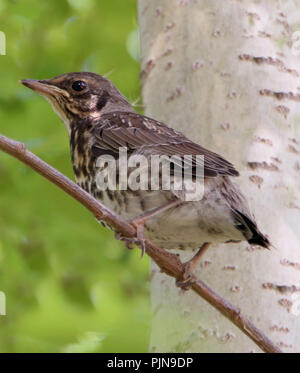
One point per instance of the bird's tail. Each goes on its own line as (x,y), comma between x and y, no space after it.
(259,239)
(256,238)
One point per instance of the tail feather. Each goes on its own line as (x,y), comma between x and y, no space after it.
(257,237)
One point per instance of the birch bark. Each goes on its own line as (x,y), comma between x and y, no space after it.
(226,73)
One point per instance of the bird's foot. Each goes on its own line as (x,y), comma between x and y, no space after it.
(188,267)
(187,278)
(129,241)
(139,240)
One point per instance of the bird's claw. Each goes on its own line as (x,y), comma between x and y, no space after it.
(130,241)
(187,278)
(142,245)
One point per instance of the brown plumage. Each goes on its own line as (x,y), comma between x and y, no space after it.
(100,121)
(148,136)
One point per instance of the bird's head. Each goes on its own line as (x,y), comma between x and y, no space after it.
(79,96)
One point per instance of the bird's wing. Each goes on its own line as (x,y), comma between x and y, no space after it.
(143,135)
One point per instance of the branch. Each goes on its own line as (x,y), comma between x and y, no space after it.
(169,263)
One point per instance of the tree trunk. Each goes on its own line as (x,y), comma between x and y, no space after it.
(225,74)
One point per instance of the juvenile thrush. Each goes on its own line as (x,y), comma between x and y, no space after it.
(100,120)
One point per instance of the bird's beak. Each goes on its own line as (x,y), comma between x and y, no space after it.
(43,87)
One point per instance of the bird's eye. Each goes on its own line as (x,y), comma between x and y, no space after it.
(79,85)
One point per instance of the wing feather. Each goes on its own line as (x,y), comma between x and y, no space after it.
(143,135)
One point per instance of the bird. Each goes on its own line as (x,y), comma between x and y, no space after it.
(100,121)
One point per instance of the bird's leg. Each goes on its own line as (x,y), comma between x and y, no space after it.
(189,267)
(141,219)
(139,222)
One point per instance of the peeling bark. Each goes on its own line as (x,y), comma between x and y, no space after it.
(224,74)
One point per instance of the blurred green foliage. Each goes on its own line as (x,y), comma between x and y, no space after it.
(69,285)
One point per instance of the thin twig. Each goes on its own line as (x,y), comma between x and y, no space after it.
(169,263)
